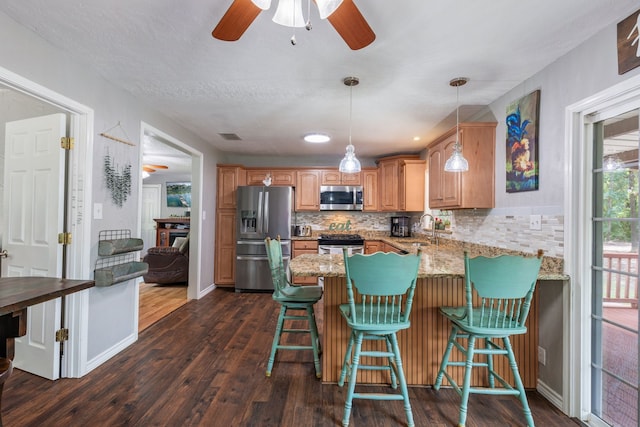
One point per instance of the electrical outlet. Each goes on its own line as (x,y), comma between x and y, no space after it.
(535,222)
(542,355)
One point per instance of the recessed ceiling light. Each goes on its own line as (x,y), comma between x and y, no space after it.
(416,138)
(317,138)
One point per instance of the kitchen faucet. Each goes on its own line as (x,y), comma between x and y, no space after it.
(433,227)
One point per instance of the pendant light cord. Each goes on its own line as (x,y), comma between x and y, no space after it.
(350,111)
(458,117)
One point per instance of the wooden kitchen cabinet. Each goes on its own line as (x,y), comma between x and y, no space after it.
(229,177)
(372,246)
(225,246)
(335,177)
(401,181)
(300,247)
(283,177)
(224,263)
(308,190)
(370,189)
(464,190)
(386,247)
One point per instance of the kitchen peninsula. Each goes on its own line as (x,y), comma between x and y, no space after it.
(440,283)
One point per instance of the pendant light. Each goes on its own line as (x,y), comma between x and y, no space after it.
(457,162)
(350,164)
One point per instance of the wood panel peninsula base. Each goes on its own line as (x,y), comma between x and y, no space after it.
(440,283)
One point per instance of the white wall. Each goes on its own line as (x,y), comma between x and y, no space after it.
(583,72)
(24,53)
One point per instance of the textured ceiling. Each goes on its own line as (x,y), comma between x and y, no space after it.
(271,93)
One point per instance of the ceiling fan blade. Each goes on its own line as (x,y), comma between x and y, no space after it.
(156,166)
(147,169)
(351,25)
(236,20)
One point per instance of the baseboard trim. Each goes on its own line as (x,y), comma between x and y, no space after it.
(109,353)
(551,395)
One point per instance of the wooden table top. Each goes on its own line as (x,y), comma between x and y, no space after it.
(17,293)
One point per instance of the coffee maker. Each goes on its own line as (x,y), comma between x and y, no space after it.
(400,226)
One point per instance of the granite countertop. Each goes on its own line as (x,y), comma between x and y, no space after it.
(446,259)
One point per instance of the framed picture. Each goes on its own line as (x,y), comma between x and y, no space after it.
(522,143)
(179,194)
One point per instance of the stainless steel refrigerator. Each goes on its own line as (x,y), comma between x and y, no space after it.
(262,212)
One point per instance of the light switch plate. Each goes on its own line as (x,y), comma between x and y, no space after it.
(535,222)
(97,211)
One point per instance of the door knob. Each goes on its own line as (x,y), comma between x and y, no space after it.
(4,254)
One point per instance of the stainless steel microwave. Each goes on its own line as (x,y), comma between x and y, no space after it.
(341,198)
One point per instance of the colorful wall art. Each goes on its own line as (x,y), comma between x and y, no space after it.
(522,143)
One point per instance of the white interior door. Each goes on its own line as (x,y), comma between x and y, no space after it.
(33,217)
(151,196)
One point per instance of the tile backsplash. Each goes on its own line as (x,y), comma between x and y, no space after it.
(474,226)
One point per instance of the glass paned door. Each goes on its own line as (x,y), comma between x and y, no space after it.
(614,311)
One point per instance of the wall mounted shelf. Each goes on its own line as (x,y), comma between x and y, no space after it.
(117,259)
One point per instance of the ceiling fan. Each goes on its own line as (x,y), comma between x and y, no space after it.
(153,168)
(342,14)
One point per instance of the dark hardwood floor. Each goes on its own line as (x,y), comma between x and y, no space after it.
(204,365)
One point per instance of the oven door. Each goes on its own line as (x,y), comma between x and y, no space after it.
(337,249)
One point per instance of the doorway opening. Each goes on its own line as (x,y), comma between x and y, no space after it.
(169,189)
(601,190)
(25,95)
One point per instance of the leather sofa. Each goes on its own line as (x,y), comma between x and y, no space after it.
(168,264)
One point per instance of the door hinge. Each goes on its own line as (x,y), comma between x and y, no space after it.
(66,143)
(64,238)
(62,335)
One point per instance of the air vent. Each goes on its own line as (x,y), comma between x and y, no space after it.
(230,136)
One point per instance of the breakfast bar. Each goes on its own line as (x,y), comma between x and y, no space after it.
(440,283)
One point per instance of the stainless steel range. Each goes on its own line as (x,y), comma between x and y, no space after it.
(334,243)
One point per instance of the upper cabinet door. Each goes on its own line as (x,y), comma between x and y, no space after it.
(308,190)
(335,177)
(228,181)
(464,190)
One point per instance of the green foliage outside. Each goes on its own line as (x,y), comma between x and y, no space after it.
(620,201)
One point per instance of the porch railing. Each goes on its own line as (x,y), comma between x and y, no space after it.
(617,286)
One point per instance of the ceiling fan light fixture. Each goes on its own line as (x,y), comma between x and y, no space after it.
(457,162)
(262,4)
(327,7)
(289,13)
(317,138)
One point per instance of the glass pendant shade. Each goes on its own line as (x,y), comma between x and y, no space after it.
(611,163)
(456,163)
(262,4)
(289,13)
(350,163)
(327,7)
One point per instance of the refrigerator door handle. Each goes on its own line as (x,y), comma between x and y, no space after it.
(266,213)
(260,212)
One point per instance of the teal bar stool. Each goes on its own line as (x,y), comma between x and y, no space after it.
(504,286)
(377,309)
(292,300)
